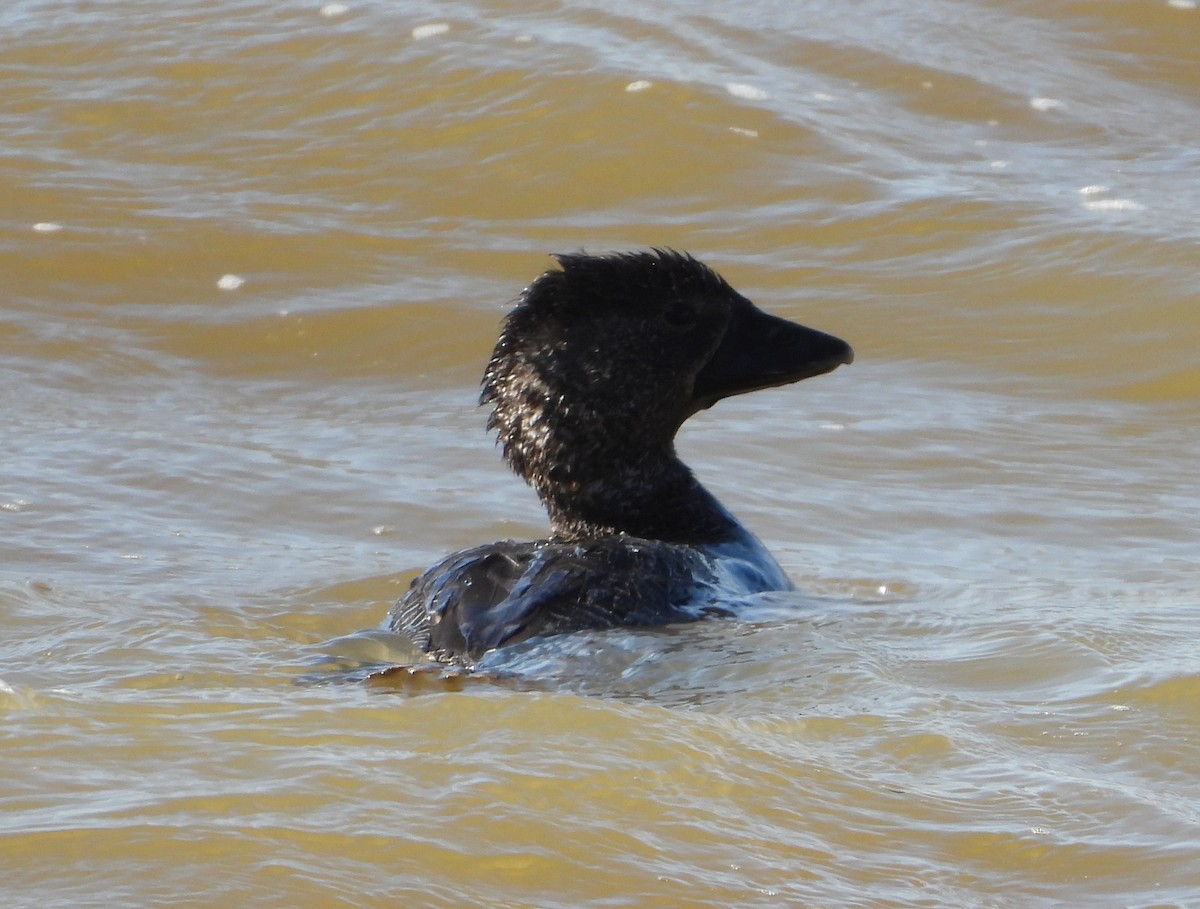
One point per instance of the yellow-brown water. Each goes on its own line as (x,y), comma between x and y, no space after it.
(988,693)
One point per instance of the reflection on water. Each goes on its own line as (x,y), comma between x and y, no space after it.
(254,258)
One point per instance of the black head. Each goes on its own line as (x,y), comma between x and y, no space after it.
(600,362)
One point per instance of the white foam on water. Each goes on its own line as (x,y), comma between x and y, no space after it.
(430,30)
(1045,104)
(749,92)
(1113,205)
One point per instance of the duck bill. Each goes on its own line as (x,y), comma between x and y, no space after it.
(760,351)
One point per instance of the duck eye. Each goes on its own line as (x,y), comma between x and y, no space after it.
(680,316)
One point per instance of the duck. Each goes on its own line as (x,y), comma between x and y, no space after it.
(598,365)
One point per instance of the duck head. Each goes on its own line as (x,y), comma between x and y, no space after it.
(602,360)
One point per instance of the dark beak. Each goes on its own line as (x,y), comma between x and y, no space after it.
(760,351)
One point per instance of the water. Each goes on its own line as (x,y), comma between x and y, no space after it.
(254,257)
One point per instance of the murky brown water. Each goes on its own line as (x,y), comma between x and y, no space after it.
(988,694)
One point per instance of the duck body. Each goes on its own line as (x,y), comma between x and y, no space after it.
(503,593)
(597,367)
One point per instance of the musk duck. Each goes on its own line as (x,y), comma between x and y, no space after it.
(597,366)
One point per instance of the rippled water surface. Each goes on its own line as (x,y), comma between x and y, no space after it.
(253,258)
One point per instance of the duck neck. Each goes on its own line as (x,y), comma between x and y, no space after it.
(659,501)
